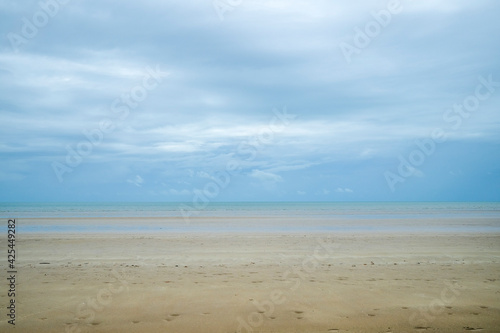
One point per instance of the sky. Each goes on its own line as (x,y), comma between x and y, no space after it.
(240,100)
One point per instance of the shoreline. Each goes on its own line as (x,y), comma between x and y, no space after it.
(255,224)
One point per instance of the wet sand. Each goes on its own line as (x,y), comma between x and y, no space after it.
(256,282)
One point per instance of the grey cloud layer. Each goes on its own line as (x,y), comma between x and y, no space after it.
(225,77)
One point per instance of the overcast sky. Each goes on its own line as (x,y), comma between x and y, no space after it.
(249,100)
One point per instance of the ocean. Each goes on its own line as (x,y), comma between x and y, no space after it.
(258,216)
(358,210)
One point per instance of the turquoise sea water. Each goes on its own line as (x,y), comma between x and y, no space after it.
(359,210)
(263,216)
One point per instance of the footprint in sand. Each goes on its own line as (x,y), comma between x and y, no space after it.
(299,313)
(172,316)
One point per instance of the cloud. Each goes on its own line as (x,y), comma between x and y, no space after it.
(415,172)
(266,176)
(226,77)
(343,190)
(137,181)
(203,174)
(179,192)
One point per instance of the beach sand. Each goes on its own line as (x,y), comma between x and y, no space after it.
(256,282)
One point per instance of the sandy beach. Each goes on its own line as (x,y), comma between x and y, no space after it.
(386,281)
